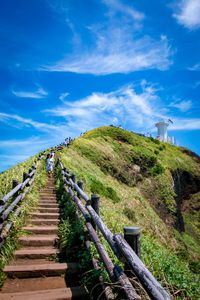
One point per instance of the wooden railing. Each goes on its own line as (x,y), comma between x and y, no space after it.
(10,203)
(118,244)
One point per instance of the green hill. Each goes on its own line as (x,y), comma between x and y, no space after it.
(148,183)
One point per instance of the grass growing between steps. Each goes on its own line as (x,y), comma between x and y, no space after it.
(28,205)
(103,158)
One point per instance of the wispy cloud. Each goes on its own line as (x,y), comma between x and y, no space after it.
(195,67)
(187,13)
(183,106)
(63,96)
(112,48)
(5,117)
(40,93)
(119,6)
(134,110)
(117,52)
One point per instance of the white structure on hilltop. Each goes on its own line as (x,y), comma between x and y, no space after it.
(162,130)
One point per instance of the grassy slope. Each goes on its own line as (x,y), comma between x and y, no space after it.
(105,158)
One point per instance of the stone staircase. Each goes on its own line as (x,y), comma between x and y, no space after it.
(34,273)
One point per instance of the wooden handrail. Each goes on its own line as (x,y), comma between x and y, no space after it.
(120,247)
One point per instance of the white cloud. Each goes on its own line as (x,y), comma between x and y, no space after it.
(195,67)
(134,110)
(112,48)
(183,106)
(117,52)
(187,13)
(63,96)
(4,117)
(116,5)
(40,93)
(185,124)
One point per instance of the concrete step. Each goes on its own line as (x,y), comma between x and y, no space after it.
(38,240)
(51,294)
(38,215)
(41,229)
(33,284)
(44,222)
(40,269)
(48,209)
(35,253)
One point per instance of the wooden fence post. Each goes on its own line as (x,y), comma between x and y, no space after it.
(95,199)
(132,236)
(80,184)
(25,176)
(14,183)
(73,177)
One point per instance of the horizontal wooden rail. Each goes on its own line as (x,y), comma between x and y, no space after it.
(116,277)
(119,246)
(9,205)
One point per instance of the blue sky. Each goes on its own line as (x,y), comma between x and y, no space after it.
(69,66)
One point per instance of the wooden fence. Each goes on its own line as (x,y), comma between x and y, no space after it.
(117,242)
(10,203)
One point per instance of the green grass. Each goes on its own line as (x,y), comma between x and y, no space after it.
(137,171)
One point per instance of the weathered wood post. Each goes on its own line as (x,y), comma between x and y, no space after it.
(73,177)
(25,176)
(95,201)
(132,236)
(14,183)
(80,184)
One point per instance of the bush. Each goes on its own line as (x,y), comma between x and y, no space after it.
(97,187)
(157,169)
(156,152)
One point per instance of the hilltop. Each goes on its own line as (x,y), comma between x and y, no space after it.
(150,184)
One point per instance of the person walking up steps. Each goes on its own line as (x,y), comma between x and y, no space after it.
(49,164)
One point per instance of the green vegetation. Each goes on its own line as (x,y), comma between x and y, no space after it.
(134,177)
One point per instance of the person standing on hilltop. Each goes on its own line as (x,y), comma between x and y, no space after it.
(49,164)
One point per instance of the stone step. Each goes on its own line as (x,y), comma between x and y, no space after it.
(38,240)
(44,222)
(51,294)
(38,215)
(48,209)
(40,269)
(41,229)
(35,253)
(33,284)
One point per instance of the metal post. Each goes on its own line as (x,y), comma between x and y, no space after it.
(132,236)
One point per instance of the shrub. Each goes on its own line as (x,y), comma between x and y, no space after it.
(156,152)
(157,169)
(97,187)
